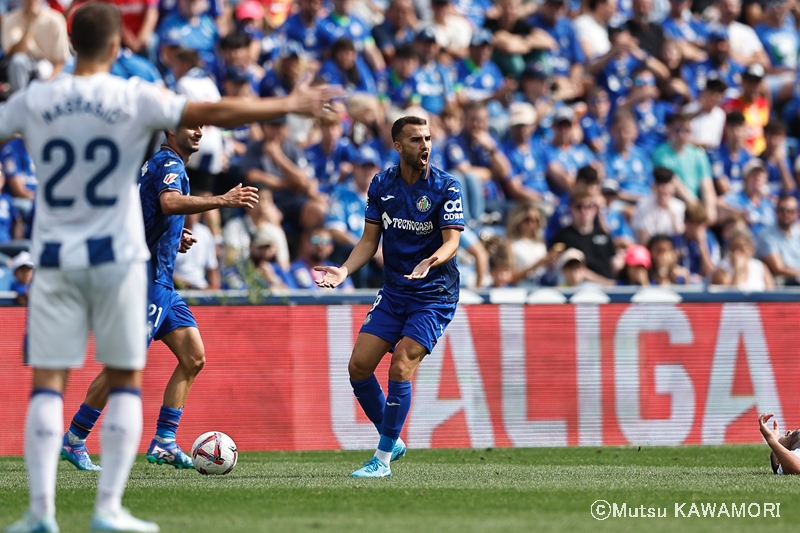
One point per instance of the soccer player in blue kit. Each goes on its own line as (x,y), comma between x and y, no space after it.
(417,208)
(164,192)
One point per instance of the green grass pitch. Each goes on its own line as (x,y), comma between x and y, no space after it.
(439,491)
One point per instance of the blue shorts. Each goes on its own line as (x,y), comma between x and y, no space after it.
(166,312)
(394,316)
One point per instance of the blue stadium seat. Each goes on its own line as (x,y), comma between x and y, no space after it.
(6,277)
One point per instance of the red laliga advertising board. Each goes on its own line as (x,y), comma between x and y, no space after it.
(538,375)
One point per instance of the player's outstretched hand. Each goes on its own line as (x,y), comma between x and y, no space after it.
(768,434)
(313,101)
(334,276)
(241,196)
(422,268)
(187,240)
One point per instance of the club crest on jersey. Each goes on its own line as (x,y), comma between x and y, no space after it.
(368,319)
(424,204)
(169,179)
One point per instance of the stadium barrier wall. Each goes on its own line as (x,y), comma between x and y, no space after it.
(502,375)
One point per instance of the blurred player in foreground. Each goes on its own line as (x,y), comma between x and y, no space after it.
(164,192)
(87,133)
(785,456)
(418,210)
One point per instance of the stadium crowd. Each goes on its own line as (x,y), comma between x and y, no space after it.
(605,142)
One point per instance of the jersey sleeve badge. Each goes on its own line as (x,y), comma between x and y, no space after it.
(169,179)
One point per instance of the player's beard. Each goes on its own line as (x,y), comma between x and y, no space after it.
(415,162)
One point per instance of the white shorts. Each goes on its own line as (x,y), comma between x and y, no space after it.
(109,299)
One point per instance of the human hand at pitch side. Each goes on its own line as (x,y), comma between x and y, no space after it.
(334,276)
(768,434)
(187,240)
(241,196)
(422,268)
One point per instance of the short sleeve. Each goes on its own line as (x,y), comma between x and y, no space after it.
(158,108)
(12,115)
(166,178)
(451,215)
(372,213)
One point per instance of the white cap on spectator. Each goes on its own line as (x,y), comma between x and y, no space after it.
(570,254)
(752,165)
(263,237)
(521,114)
(20,260)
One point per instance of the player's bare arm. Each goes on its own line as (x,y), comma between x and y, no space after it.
(445,253)
(232,112)
(789,461)
(175,203)
(360,256)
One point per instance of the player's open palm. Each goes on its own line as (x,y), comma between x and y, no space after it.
(334,276)
(314,101)
(241,196)
(422,269)
(775,432)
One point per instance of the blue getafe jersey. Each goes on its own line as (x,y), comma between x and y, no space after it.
(617,76)
(634,173)
(163,171)
(593,130)
(529,166)
(17,163)
(725,164)
(652,123)
(347,210)
(326,167)
(412,219)
(696,74)
(435,87)
(295,30)
(693,31)
(8,214)
(569,48)
(334,27)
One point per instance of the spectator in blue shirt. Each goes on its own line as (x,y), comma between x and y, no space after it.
(434,81)
(698,249)
(779,246)
(189,27)
(478,78)
(332,158)
(302,27)
(595,122)
(690,33)
(341,23)
(752,201)
(535,89)
(287,70)
(651,114)
(399,82)
(779,36)
(727,160)
(567,59)
(613,217)
(625,162)
(564,157)
(347,68)
(396,29)
(477,156)
(346,216)
(235,52)
(316,246)
(20,179)
(779,174)
(10,221)
(22,267)
(527,179)
(719,64)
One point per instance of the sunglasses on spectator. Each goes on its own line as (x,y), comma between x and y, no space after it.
(584,207)
(787,210)
(600,100)
(644,82)
(682,129)
(316,239)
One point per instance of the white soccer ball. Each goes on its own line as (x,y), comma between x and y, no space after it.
(214,454)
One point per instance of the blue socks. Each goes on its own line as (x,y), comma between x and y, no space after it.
(83,422)
(398,403)
(167,425)
(370,395)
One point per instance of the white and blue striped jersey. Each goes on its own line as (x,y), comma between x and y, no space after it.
(87,136)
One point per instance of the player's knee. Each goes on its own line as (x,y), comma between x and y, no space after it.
(401,369)
(195,363)
(358,370)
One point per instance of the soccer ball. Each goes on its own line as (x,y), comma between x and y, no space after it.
(214,454)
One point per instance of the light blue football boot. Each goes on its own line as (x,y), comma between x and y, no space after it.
(77,454)
(373,468)
(168,453)
(122,520)
(29,524)
(399,449)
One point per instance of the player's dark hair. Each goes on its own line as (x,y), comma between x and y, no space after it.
(662,175)
(94,26)
(587,175)
(234,41)
(774,127)
(400,123)
(773,461)
(735,118)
